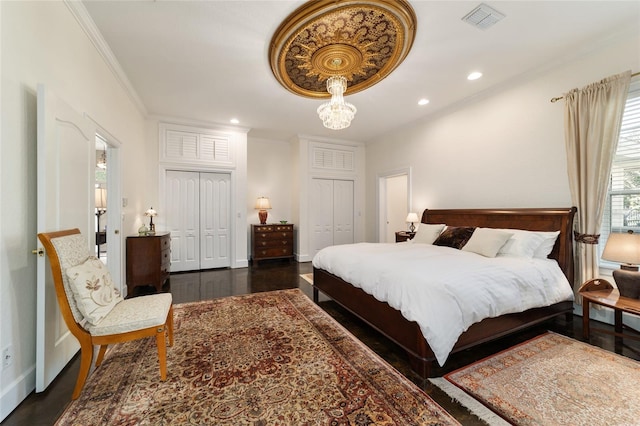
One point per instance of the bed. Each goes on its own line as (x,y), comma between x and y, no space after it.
(409,335)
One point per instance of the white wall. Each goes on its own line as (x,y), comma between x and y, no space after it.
(43,43)
(269,172)
(505,149)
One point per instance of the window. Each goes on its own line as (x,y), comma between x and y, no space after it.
(622,210)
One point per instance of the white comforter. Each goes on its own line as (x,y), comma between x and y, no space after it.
(445,290)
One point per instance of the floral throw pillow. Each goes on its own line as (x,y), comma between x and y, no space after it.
(93,289)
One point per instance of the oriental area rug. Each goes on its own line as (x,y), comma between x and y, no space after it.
(555,380)
(270,358)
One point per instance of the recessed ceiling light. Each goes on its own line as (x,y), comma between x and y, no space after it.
(423,101)
(234,121)
(474,75)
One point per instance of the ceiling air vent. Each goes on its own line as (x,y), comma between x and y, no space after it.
(483,17)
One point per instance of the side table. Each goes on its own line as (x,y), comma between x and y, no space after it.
(404,236)
(148,261)
(601,292)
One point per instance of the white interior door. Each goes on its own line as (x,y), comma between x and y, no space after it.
(322,213)
(183,219)
(397,206)
(342,212)
(215,218)
(199,218)
(332,208)
(65,187)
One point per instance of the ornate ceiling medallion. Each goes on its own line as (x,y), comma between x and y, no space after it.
(363,41)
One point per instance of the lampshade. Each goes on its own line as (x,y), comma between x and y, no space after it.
(263,203)
(623,248)
(336,114)
(151,212)
(101,198)
(412,218)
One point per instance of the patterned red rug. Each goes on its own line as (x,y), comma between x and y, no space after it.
(261,359)
(555,380)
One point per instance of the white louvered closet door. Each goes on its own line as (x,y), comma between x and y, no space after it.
(215,218)
(183,219)
(342,212)
(199,216)
(332,210)
(322,211)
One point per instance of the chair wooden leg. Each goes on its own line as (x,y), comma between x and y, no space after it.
(170,326)
(162,352)
(101,352)
(86,356)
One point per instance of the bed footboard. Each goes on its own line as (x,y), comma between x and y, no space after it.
(407,334)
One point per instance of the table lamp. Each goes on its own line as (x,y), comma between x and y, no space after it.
(412,218)
(262,204)
(101,204)
(151,213)
(624,248)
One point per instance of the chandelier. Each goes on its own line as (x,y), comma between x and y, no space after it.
(336,114)
(360,41)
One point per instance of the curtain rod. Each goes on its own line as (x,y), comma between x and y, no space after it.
(556,99)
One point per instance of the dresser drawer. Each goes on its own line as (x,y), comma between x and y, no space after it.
(165,243)
(270,252)
(278,235)
(165,257)
(273,243)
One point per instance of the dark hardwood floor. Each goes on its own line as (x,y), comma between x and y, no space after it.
(44,408)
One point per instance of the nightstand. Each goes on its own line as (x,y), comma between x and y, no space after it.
(601,292)
(404,236)
(148,261)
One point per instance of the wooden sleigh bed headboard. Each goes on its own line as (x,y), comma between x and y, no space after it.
(555,219)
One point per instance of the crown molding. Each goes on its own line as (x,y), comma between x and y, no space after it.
(88,25)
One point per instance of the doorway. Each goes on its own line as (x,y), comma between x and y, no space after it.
(101,191)
(394,203)
(107,209)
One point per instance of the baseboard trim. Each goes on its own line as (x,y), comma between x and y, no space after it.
(301,258)
(17,391)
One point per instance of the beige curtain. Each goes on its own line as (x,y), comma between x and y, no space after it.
(592,121)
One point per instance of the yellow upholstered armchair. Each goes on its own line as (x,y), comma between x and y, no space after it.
(94,311)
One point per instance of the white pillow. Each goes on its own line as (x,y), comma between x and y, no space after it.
(487,241)
(427,233)
(544,250)
(93,289)
(521,244)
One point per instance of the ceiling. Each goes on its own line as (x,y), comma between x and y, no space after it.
(207,61)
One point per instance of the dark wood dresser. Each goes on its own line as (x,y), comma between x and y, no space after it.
(271,241)
(148,261)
